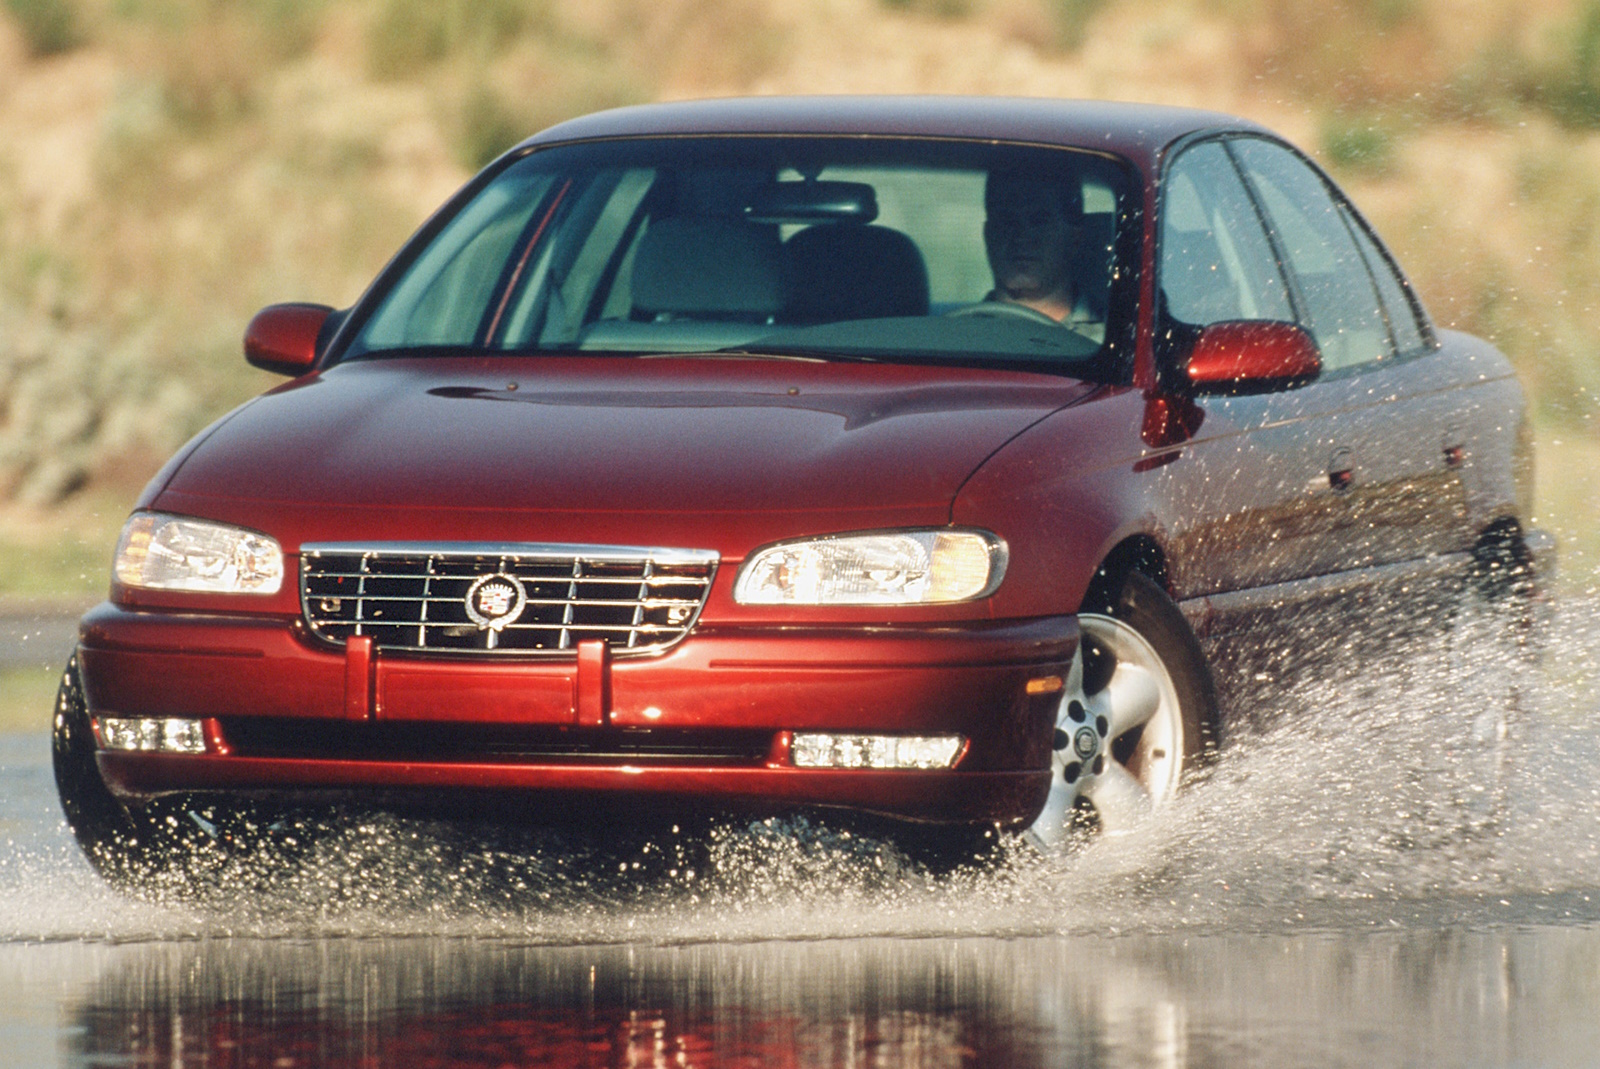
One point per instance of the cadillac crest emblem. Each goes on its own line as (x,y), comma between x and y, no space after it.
(493,601)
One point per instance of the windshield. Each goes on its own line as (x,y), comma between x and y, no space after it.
(865,248)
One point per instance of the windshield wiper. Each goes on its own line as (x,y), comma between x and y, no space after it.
(819,355)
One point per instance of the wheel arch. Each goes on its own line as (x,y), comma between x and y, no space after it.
(1136,553)
(1500,531)
(1503,562)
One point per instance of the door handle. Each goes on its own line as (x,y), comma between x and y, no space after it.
(1341,471)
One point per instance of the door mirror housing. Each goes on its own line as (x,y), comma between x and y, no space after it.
(283,338)
(1252,356)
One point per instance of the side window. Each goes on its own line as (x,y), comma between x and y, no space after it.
(442,299)
(1408,333)
(1216,262)
(1341,303)
(583,252)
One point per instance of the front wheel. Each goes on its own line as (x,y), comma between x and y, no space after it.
(122,846)
(179,845)
(1138,716)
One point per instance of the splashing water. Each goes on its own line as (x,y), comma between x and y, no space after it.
(1445,781)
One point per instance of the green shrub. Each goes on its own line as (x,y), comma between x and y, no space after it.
(1361,144)
(1575,99)
(487,128)
(48,26)
(1072,19)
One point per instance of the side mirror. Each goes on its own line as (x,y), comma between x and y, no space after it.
(1252,356)
(282,338)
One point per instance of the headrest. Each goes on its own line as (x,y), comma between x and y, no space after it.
(840,271)
(709,268)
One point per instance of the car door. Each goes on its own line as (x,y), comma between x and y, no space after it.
(1250,503)
(1392,418)
(1292,495)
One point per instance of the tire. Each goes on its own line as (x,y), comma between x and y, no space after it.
(173,846)
(1138,718)
(123,847)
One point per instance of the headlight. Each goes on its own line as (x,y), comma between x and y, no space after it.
(881,568)
(160,552)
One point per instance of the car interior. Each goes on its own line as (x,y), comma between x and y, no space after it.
(864,257)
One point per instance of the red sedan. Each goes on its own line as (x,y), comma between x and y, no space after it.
(914,458)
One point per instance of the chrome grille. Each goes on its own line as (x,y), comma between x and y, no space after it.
(426,597)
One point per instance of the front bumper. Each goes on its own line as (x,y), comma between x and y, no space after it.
(709,722)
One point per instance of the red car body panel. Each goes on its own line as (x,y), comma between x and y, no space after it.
(609,451)
(731,453)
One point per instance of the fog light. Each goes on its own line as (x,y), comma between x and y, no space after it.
(876,751)
(151,735)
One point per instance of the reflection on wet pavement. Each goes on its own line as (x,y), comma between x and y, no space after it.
(1433,997)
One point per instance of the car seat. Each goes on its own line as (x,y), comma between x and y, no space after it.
(839,271)
(706,267)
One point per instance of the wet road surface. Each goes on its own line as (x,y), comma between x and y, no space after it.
(1387,882)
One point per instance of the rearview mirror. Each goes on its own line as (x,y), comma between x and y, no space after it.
(282,338)
(812,201)
(1252,356)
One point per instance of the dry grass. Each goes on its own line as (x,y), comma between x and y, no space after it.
(61,553)
(1567,494)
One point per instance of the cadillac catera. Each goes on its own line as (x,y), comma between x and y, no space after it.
(913,459)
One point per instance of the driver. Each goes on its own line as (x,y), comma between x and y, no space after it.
(1032,233)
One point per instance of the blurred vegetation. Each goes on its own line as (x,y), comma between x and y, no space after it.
(1358,143)
(1072,19)
(1053,25)
(27,698)
(408,35)
(1566,82)
(48,26)
(1567,489)
(949,9)
(169,166)
(61,556)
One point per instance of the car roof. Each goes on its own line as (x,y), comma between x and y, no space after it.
(1137,131)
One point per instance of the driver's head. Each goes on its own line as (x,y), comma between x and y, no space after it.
(1031,232)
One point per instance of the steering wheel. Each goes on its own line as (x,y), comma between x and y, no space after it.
(1003,308)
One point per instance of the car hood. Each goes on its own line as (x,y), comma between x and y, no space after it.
(449,441)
